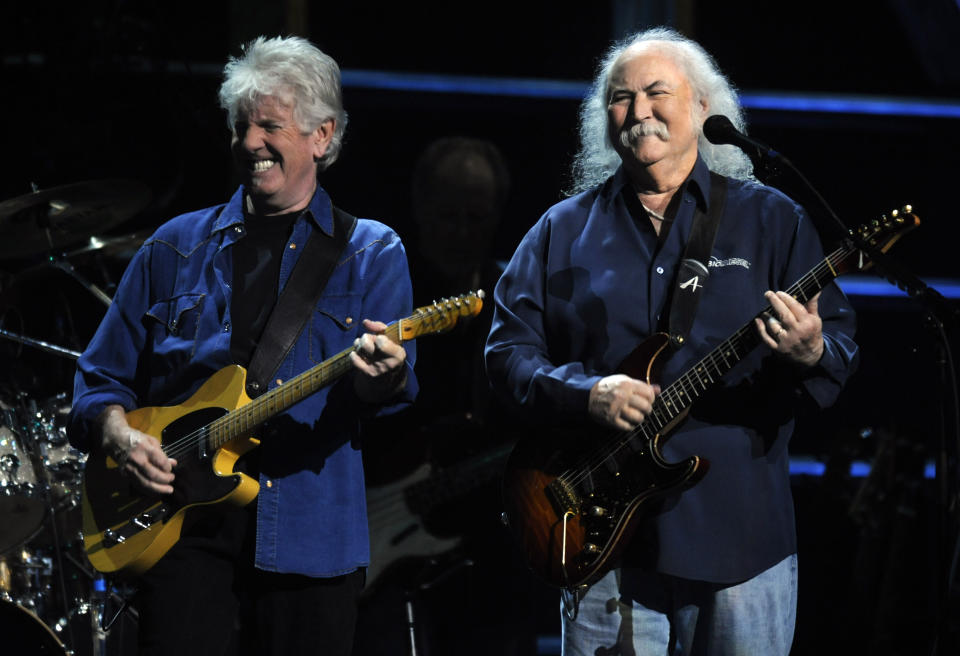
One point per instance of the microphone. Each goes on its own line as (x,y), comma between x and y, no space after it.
(719,130)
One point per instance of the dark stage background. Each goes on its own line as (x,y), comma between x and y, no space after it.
(102,90)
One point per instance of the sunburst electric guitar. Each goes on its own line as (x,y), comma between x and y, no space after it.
(573,501)
(126,530)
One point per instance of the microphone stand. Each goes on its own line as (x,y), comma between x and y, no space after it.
(939,314)
(768,166)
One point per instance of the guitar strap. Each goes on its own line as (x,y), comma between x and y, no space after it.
(295,305)
(693,273)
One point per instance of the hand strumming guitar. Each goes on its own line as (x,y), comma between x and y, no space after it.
(138,454)
(620,401)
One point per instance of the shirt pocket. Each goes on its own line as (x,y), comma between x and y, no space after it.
(335,322)
(173,322)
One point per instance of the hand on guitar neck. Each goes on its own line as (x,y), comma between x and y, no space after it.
(139,454)
(793,329)
(380,363)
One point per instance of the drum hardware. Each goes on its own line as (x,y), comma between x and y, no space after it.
(26,629)
(39,344)
(67,268)
(21,505)
(49,595)
(39,572)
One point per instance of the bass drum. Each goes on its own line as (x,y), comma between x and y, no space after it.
(25,634)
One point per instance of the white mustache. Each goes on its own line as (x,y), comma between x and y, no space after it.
(630,137)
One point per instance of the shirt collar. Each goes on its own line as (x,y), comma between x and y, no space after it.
(697,183)
(319,211)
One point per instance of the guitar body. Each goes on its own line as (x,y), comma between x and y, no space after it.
(571,510)
(126,530)
(397,531)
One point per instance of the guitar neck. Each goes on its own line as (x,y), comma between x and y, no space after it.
(456,480)
(426,320)
(680,395)
(246,418)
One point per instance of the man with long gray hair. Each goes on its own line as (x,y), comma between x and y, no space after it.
(204,292)
(714,569)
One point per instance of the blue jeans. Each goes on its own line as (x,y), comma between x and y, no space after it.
(630,612)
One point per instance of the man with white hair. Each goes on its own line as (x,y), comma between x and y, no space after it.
(715,570)
(196,298)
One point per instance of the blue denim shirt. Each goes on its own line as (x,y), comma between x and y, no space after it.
(168,330)
(588,284)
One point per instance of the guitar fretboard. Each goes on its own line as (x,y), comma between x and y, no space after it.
(425,320)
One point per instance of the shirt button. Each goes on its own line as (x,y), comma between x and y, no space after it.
(269,483)
(226,327)
(279,382)
(348,320)
(660,270)
(292,246)
(238,229)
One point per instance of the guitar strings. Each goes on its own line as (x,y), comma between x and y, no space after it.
(616,442)
(245,416)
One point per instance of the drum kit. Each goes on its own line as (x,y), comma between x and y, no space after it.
(52,601)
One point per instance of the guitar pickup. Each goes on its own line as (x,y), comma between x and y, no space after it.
(150,517)
(112,538)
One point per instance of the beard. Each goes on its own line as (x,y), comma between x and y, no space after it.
(629,138)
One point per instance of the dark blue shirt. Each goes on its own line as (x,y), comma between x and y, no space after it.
(169,329)
(589,282)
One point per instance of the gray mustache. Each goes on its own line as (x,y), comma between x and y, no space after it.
(646,129)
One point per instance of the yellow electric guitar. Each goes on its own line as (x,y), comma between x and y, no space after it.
(126,530)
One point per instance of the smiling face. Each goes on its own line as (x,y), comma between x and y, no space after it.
(652,115)
(276,160)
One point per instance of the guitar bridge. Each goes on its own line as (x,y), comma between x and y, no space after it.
(563,498)
(141,522)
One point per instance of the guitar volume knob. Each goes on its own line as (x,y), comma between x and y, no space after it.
(597,511)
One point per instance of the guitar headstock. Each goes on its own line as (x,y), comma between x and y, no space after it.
(884,232)
(441,316)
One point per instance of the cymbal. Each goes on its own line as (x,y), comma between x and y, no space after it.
(50,219)
(110,246)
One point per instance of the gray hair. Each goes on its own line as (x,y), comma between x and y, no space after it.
(597,160)
(293,70)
